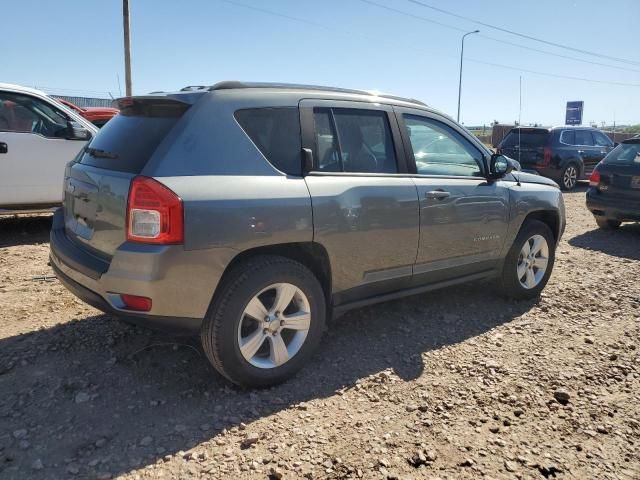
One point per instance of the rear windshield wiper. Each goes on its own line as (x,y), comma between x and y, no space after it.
(97,153)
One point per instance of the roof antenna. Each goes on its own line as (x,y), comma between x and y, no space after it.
(519,130)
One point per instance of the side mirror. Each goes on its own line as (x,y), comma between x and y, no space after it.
(501,165)
(77,132)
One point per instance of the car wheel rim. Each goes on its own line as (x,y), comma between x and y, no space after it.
(274,325)
(570,177)
(533,261)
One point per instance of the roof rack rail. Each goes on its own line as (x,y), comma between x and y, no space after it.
(234,84)
(190,88)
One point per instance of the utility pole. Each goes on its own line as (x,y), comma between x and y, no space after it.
(127,47)
(460,81)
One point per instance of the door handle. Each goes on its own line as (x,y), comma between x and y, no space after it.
(580,151)
(4,148)
(437,194)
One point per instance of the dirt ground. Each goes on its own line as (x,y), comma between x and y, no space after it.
(452,384)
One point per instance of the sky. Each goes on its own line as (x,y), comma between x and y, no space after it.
(76,47)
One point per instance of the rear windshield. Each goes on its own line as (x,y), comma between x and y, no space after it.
(526,139)
(626,153)
(128,140)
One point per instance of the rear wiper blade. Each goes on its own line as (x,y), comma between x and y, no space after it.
(97,153)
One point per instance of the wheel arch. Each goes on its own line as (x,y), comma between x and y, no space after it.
(577,161)
(311,254)
(551,218)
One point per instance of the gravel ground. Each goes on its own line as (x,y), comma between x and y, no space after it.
(453,384)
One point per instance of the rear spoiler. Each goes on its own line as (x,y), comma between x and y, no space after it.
(161,105)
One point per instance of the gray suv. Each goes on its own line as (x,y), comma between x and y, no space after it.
(250,212)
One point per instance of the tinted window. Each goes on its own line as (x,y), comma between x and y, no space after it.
(439,150)
(276,133)
(601,140)
(625,153)
(527,139)
(26,114)
(127,141)
(362,143)
(583,137)
(568,137)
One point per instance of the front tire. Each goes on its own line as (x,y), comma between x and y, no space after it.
(569,176)
(265,322)
(529,263)
(607,224)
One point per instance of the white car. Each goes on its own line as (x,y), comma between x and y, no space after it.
(38,137)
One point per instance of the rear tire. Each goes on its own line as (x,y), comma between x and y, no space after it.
(522,275)
(259,352)
(607,224)
(569,176)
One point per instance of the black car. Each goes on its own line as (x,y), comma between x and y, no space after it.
(564,154)
(614,187)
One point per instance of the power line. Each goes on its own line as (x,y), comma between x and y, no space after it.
(342,32)
(506,42)
(528,37)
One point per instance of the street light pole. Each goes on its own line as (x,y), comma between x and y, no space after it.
(127,47)
(460,81)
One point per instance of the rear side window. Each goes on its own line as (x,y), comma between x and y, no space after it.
(128,140)
(526,139)
(351,140)
(583,137)
(276,133)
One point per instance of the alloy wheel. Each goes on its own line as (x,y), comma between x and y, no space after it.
(533,261)
(570,177)
(274,325)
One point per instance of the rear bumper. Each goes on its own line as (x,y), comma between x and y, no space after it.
(179,325)
(180,283)
(612,208)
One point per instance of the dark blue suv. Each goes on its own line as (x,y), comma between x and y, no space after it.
(564,154)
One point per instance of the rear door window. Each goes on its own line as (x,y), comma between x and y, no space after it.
(276,133)
(568,137)
(352,140)
(583,137)
(128,140)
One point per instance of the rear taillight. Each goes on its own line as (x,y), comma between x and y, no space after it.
(546,157)
(135,302)
(154,213)
(594,179)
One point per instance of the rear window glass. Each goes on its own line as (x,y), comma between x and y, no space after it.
(625,153)
(276,133)
(525,139)
(126,143)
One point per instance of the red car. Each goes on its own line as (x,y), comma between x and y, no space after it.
(96,115)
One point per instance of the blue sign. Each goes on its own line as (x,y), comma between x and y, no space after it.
(574,113)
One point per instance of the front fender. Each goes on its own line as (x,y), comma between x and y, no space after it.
(542,201)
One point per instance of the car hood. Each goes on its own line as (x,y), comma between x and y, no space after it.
(524,177)
(101,110)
